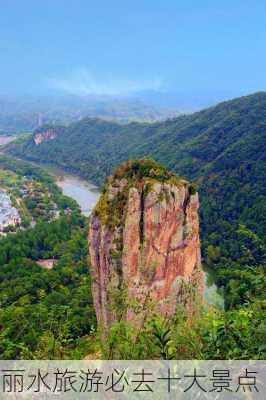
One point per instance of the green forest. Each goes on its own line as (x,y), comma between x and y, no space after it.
(45,313)
(222,150)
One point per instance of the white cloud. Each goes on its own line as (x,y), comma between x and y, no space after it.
(82,82)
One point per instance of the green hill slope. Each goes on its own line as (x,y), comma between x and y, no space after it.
(221,148)
(186,144)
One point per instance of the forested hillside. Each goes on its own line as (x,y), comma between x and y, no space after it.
(221,148)
(44,312)
(189,144)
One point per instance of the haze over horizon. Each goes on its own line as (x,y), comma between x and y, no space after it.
(119,48)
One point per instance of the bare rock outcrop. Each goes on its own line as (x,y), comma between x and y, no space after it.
(144,244)
(45,135)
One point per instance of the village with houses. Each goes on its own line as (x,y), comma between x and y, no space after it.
(9,215)
(23,202)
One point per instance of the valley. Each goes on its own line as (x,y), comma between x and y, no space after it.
(223,159)
(86,195)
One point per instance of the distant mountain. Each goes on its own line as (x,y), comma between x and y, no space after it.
(186,101)
(222,148)
(26,114)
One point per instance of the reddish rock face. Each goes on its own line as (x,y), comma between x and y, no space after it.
(44,136)
(149,261)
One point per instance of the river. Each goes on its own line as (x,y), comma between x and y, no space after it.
(85,194)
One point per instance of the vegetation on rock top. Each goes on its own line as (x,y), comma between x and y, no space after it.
(137,170)
(141,174)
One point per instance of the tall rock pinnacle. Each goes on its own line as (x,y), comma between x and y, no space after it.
(144,244)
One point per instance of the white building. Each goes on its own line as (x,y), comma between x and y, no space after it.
(8,214)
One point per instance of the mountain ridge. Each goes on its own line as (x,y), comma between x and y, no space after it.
(220,148)
(185,128)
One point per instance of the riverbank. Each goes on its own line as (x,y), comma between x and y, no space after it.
(83,192)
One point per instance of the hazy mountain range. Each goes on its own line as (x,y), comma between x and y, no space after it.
(26,113)
(19,114)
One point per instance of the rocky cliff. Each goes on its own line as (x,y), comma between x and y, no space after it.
(44,135)
(144,244)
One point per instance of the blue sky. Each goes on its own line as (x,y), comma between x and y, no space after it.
(116,47)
